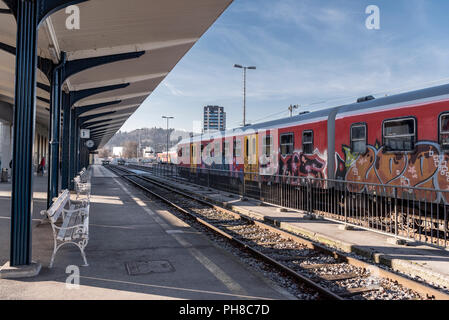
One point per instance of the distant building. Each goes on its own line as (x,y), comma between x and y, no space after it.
(214,118)
(148,152)
(117,151)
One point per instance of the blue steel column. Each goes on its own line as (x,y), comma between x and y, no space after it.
(72,150)
(29,14)
(77,147)
(55,126)
(66,127)
(24,122)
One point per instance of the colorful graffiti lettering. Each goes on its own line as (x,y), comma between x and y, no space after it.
(426,167)
(302,165)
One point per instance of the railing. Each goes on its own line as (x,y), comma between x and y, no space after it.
(409,213)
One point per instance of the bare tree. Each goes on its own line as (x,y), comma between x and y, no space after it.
(104,153)
(130,149)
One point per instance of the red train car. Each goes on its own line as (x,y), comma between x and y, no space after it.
(400,140)
(378,163)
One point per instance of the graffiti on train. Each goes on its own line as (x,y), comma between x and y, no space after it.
(300,164)
(426,167)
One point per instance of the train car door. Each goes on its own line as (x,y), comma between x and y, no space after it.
(251,166)
(193,157)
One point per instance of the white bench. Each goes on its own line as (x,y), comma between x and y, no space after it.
(84,175)
(82,188)
(75,223)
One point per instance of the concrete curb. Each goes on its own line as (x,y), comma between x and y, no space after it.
(400,265)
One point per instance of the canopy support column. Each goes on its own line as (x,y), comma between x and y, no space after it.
(29,14)
(55,129)
(66,127)
(24,123)
(72,158)
(74,97)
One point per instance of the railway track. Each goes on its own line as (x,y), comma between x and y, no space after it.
(332,274)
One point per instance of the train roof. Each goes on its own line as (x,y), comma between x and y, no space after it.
(417,96)
(279,123)
(412,97)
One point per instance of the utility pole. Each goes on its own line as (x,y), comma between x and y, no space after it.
(291,109)
(244,89)
(168,118)
(138,146)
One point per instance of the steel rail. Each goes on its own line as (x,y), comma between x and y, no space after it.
(325,292)
(421,288)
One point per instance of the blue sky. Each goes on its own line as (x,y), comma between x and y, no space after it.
(315,53)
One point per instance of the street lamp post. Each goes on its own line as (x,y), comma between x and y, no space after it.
(138,147)
(168,118)
(244,88)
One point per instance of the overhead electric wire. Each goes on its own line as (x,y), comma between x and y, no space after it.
(383,93)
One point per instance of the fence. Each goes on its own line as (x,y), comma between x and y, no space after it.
(410,213)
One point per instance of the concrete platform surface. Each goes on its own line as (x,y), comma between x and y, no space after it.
(102,172)
(417,259)
(135,251)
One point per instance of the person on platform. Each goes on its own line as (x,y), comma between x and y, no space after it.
(42,166)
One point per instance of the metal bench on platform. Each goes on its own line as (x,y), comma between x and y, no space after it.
(84,175)
(82,183)
(75,223)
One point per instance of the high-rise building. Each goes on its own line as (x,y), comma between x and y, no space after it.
(214,118)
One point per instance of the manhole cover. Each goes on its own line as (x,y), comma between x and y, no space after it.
(136,268)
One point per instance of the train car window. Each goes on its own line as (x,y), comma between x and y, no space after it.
(238,148)
(217,149)
(399,134)
(267,145)
(226,148)
(444,132)
(253,151)
(210,150)
(180,152)
(287,144)
(247,147)
(358,138)
(307,142)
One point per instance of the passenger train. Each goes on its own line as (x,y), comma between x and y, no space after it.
(400,140)
(383,162)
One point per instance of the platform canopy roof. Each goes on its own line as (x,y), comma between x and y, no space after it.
(164,29)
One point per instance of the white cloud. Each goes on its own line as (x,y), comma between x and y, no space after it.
(311,53)
(172,89)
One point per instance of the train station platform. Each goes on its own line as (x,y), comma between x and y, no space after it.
(127,233)
(417,260)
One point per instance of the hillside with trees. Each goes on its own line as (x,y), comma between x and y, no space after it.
(155,138)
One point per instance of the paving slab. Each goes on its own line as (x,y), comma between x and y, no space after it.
(416,259)
(136,251)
